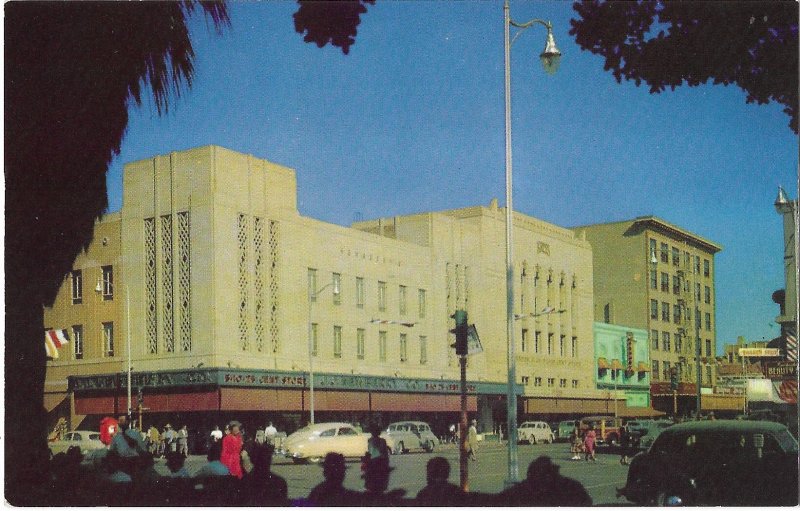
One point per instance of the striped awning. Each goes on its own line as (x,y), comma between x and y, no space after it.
(642,368)
(616,365)
(602,363)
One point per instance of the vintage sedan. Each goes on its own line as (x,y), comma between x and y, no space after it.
(409,435)
(87,441)
(716,463)
(535,432)
(313,442)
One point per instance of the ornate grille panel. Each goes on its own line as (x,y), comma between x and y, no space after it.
(151,317)
(244,342)
(258,282)
(168,318)
(185,281)
(274,281)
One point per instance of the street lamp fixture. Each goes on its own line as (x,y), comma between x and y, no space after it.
(311,298)
(550,59)
(544,312)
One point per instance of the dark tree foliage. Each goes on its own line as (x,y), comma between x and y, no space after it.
(332,21)
(71,70)
(752,44)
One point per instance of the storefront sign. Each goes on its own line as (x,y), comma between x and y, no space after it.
(780,371)
(759,352)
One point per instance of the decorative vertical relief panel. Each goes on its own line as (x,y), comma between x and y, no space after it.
(151,312)
(459,283)
(466,288)
(451,307)
(244,341)
(274,281)
(167,285)
(258,282)
(185,280)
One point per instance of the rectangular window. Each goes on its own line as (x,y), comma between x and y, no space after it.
(574,384)
(423,303)
(337,288)
(697,264)
(551,382)
(708,321)
(337,342)
(652,253)
(382,296)
(574,346)
(550,343)
(77,287)
(664,253)
(382,346)
(653,280)
(423,349)
(108,282)
(654,339)
(403,292)
(707,297)
(667,370)
(676,256)
(562,344)
(312,285)
(676,315)
(678,343)
(697,291)
(665,341)
(706,268)
(403,347)
(537,337)
(665,282)
(360,335)
(562,383)
(537,381)
(676,285)
(314,339)
(360,292)
(653,309)
(654,369)
(524,340)
(708,347)
(525,380)
(665,311)
(77,346)
(108,339)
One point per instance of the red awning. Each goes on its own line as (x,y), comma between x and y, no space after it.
(602,363)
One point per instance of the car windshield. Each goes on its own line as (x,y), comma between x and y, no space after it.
(786,441)
(94,436)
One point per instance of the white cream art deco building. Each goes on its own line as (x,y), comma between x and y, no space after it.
(222,288)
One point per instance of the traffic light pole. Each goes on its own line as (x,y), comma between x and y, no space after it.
(464,467)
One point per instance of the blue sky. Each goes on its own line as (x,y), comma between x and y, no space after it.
(412,120)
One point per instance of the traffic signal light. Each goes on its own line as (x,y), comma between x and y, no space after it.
(461,331)
(673,379)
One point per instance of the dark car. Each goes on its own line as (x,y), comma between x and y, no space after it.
(717,463)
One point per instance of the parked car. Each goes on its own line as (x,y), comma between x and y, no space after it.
(565,429)
(313,442)
(534,432)
(88,441)
(409,435)
(716,463)
(650,432)
(607,428)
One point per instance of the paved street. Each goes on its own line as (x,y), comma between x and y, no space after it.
(486,474)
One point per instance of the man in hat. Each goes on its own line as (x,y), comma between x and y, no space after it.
(170,439)
(331,491)
(472,439)
(232,449)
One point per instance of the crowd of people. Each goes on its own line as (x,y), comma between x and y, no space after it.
(239,472)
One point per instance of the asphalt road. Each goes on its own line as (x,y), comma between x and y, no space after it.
(486,474)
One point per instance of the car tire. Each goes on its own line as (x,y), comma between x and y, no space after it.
(428,446)
(532,440)
(401,448)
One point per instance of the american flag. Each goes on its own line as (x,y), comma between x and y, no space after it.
(791,346)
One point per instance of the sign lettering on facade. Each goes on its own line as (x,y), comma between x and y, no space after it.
(759,352)
(780,371)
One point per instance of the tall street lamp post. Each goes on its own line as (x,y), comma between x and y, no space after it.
(312,297)
(550,58)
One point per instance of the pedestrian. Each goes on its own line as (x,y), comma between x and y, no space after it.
(331,492)
(624,441)
(175,464)
(589,439)
(153,439)
(472,439)
(453,437)
(214,467)
(270,432)
(232,449)
(170,439)
(376,446)
(261,486)
(183,441)
(261,436)
(545,486)
(439,491)
(577,443)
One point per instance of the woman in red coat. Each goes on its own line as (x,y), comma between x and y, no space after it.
(232,450)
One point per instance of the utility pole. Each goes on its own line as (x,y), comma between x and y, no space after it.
(461,330)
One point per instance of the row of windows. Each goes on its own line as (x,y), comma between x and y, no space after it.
(537,344)
(666,251)
(673,283)
(360,293)
(105,285)
(77,340)
(666,367)
(676,315)
(551,382)
(361,345)
(664,342)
